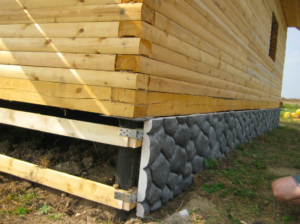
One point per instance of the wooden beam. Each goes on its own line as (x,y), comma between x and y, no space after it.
(41,4)
(70,45)
(66,127)
(92,13)
(102,62)
(75,97)
(76,76)
(68,30)
(56,90)
(78,186)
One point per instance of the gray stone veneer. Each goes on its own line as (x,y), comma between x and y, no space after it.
(174,147)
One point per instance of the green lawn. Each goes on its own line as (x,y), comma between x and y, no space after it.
(287,107)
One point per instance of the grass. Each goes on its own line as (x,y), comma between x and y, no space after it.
(54,216)
(21,211)
(287,107)
(243,189)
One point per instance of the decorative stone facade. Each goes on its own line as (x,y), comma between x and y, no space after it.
(174,148)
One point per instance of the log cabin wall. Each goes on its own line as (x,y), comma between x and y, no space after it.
(142,58)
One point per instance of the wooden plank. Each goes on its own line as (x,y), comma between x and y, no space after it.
(77,45)
(40,4)
(66,127)
(76,76)
(78,186)
(51,30)
(93,13)
(59,60)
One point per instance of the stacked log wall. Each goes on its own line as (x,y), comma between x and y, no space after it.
(141,58)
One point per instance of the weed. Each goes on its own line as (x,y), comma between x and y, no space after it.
(224,194)
(259,166)
(234,220)
(28,198)
(54,216)
(287,219)
(244,193)
(150,217)
(21,211)
(12,196)
(211,163)
(63,160)
(240,147)
(213,188)
(44,209)
(255,208)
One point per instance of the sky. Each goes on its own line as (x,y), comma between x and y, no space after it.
(291,72)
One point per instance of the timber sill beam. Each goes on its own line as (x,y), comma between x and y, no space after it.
(78,186)
(71,128)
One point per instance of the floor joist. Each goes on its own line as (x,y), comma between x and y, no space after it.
(66,127)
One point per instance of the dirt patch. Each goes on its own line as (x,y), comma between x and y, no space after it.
(21,200)
(283,171)
(86,159)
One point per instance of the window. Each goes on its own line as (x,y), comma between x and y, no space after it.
(274,35)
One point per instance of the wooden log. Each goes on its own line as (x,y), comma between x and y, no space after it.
(78,186)
(102,62)
(65,127)
(93,13)
(67,30)
(77,45)
(75,76)
(41,4)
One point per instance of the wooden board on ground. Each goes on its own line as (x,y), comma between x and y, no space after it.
(78,186)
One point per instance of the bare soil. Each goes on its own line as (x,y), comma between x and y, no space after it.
(244,177)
